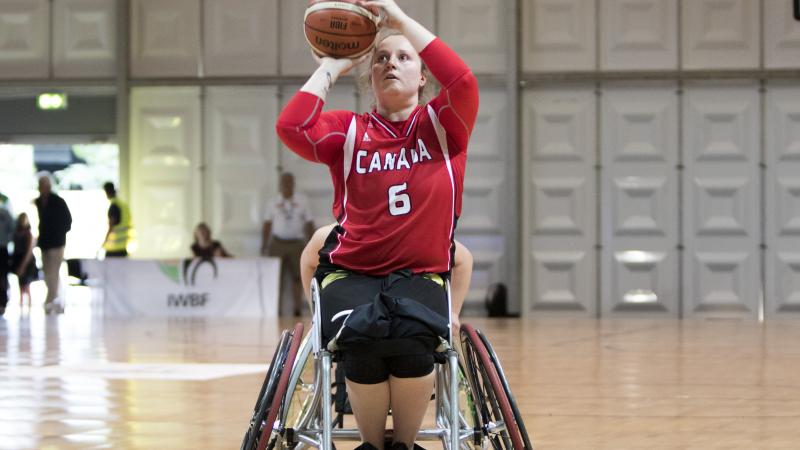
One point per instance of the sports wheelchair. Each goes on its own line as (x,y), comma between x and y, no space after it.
(296,404)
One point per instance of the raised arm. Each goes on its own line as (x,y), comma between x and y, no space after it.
(394,17)
(313,135)
(456,106)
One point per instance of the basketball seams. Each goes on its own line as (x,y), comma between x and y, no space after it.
(339,34)
(340,29)
(323,6)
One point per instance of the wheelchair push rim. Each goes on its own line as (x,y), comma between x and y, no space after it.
(490,396)
(267,391)
(260,433)
(513,403)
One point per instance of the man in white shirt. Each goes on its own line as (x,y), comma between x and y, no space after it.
(288,225)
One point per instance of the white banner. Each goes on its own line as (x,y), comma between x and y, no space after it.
(187,288)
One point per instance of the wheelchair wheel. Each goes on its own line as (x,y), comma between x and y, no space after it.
(272,391)
(267,387)
(302,395)
(490,397)
(504,381)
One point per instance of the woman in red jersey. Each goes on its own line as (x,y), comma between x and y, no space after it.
(398,175)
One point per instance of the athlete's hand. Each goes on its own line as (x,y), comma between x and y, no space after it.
(455,326)
(391,14)
(339,66)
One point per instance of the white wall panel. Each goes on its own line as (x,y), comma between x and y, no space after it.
(783,200)
(240,159)
(560,200)
(165,169)
(423,11)
(165,38)
(720,34)
(640,196)
(314,179)
(558,35)
(24,38)
(476,29)
(487,201)
(720,195)
(639,34)
(84,38)
(295,53)
(781,36)
(240,37)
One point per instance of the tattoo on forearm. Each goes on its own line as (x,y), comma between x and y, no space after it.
(330,81)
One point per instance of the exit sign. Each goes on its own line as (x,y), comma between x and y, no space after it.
(51,101)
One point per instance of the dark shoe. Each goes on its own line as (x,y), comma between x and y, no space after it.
(401,446)
(366,446)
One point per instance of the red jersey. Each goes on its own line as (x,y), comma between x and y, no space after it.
(397,186)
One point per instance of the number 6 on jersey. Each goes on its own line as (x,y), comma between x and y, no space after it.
(399,202)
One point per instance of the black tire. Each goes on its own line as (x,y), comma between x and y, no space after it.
(268,436)
(270,388)
(490,397)
(504,381)
(266,392)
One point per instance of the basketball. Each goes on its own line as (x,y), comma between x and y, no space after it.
(341,29)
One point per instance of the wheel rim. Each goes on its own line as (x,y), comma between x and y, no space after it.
(491,399)
(266,393)
(269,436)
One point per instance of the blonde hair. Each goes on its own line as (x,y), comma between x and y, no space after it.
(425,92)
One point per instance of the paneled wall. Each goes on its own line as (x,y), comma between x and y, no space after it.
(782,193)
(639,192)
(165,162)
(559,194)
(657,140)
(631,157)
(722,263)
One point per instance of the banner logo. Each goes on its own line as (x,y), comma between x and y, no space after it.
(185,273)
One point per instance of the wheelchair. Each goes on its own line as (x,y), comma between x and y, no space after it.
(474,408)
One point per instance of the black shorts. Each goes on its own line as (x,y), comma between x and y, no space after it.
(342,290)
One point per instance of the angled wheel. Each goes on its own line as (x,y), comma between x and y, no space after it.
(504,381)
(267,390)
(273,390)
(302,396)
(498,423)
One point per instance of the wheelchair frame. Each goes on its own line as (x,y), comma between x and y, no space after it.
(480,378)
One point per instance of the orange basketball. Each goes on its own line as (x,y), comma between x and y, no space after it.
(342,29)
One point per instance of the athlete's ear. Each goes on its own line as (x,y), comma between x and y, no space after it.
(422,79)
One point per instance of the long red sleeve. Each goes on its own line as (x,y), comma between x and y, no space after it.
(312,134)
(457,103)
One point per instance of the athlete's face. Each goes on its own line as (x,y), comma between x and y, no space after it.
(396,73)
(202,234)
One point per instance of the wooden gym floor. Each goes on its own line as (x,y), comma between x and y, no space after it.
(79,381)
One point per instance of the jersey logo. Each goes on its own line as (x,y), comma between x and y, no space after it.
(366,137)
(401,160)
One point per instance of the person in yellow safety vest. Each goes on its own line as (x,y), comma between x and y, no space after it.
(119,224)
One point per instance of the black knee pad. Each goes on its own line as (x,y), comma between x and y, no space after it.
(365,369)
(410,366)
